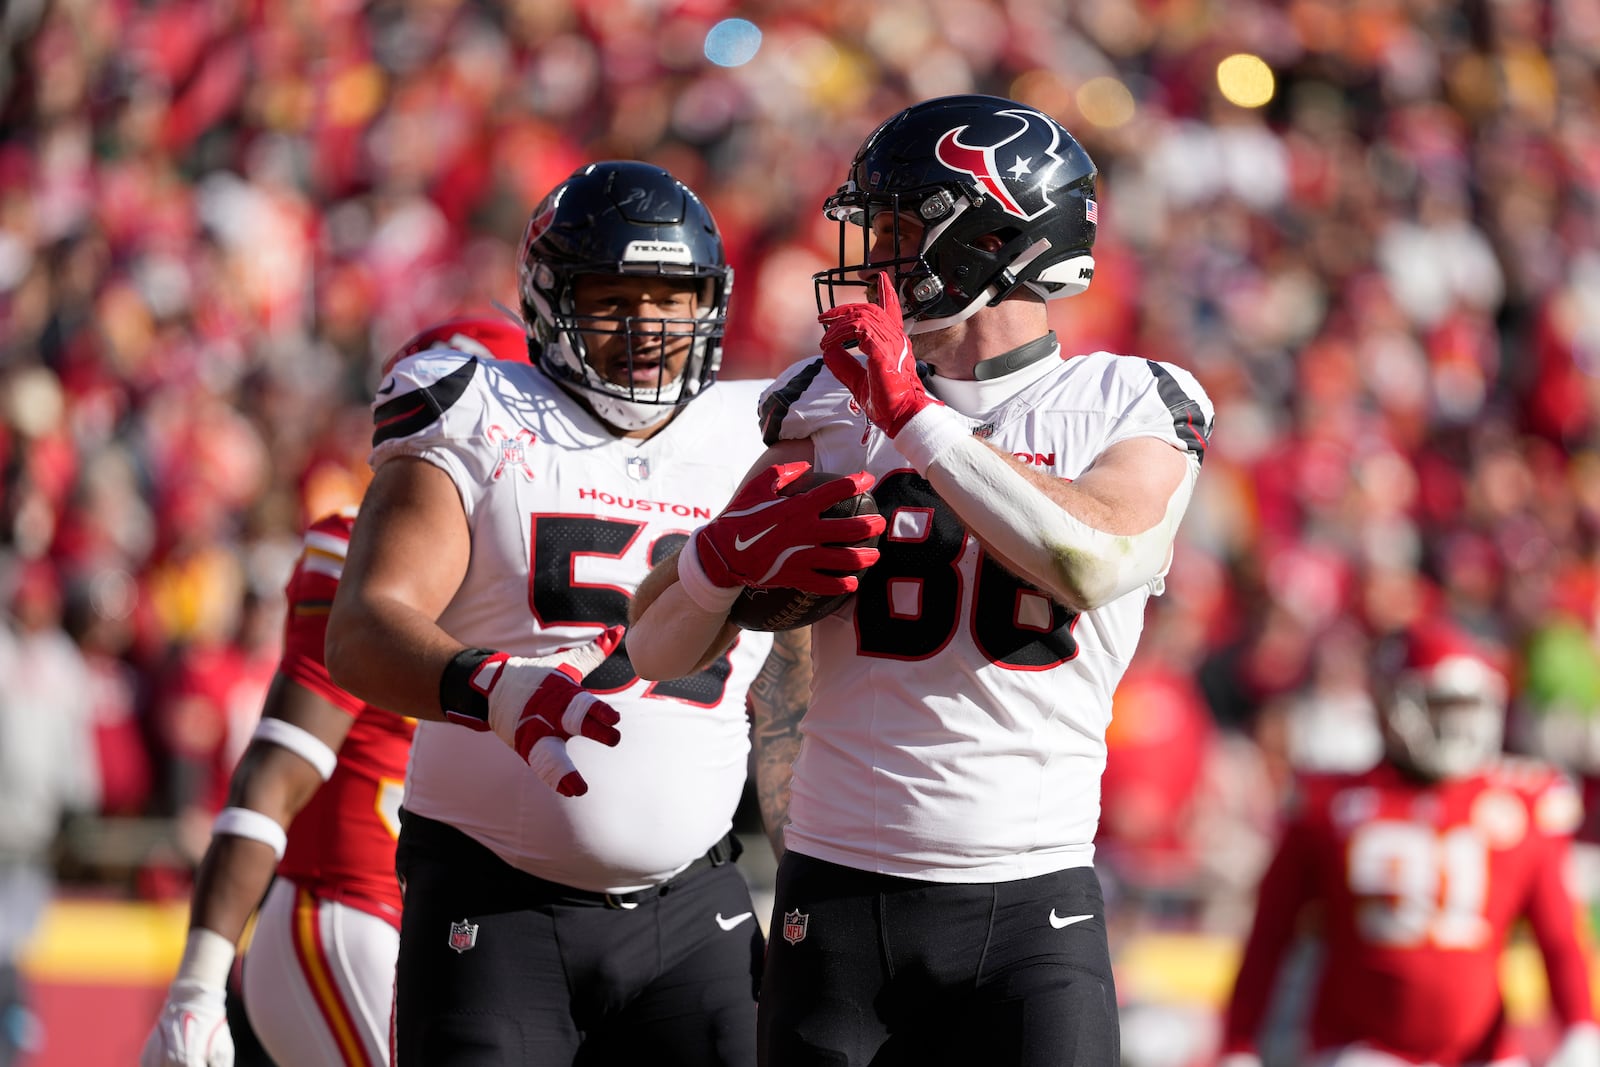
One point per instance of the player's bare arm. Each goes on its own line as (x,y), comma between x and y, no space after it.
(1087,542)
(274,780)
(386,646)
(408,555)
(778,698)
(292,754)
(669,634)
(662,577)
(1132,497)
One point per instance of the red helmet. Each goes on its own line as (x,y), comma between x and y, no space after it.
(485,336)
(1443,698)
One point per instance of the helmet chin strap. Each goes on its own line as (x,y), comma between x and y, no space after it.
(626,415)
(979,302)
(618,412)
(1017,266)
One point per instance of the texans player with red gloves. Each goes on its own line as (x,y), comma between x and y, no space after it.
(1419,868)
(570,898)
(315,798)
(936,901)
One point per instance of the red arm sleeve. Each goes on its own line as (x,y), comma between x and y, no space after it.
(1286,887)
(1557,923)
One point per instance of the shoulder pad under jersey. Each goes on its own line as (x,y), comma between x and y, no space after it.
(1148,398)
(421,392)
(802,399)
(1551,793)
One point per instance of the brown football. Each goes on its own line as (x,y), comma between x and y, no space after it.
(789,609)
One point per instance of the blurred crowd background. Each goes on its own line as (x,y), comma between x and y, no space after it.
(1378,248)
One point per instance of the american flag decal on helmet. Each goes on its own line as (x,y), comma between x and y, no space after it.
(1091,212)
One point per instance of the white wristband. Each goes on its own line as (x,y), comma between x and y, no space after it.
(246,822)
(931,431)
(707,595)
(303,743)
(207,958)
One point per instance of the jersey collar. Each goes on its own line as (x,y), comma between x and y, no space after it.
(999,378)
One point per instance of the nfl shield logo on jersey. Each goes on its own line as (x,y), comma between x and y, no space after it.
(463,935)
(794,926)
(638,468)
(513,451)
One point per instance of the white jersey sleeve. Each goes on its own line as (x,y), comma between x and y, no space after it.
(432,406)
(805,400)
(1148,398)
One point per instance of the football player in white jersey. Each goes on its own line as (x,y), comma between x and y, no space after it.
(937,902)
(571,895)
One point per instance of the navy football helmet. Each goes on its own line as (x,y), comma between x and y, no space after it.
(1005,195)
(623,218)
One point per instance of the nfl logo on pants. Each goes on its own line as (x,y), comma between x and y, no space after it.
(794,926)
(463,935)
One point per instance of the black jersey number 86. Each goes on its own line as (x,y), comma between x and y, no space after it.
(912,600)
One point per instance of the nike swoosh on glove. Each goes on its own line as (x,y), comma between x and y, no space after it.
(887,387)
(536,705)
(768,540)
(192,1030)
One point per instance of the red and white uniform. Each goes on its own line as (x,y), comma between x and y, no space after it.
(561,508)
(341,845)
(959,707)
(319,974)
(1419,885)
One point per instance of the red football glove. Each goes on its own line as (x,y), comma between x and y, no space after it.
(887,388)
(535,703)
(767,540)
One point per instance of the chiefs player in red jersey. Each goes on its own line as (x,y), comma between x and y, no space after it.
(316,798)
(1420,867)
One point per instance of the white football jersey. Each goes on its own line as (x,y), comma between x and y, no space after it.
(957,724)
(565,521)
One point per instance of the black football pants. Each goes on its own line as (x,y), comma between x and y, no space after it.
(871,969)
(499,968)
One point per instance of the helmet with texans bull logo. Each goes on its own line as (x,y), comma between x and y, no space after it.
(1003,195)
(1443,699)
(630,219)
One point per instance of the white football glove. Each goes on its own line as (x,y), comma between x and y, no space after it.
(1579,1048)
(535,704)
(192,1030)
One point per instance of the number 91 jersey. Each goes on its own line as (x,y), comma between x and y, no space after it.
(565,520)
(956,731)
(1419,885)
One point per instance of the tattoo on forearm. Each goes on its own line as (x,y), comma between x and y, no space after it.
(778,697)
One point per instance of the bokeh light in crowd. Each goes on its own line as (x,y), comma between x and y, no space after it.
(733,42)
(1106,102)
(1246,80)
(1044,90)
